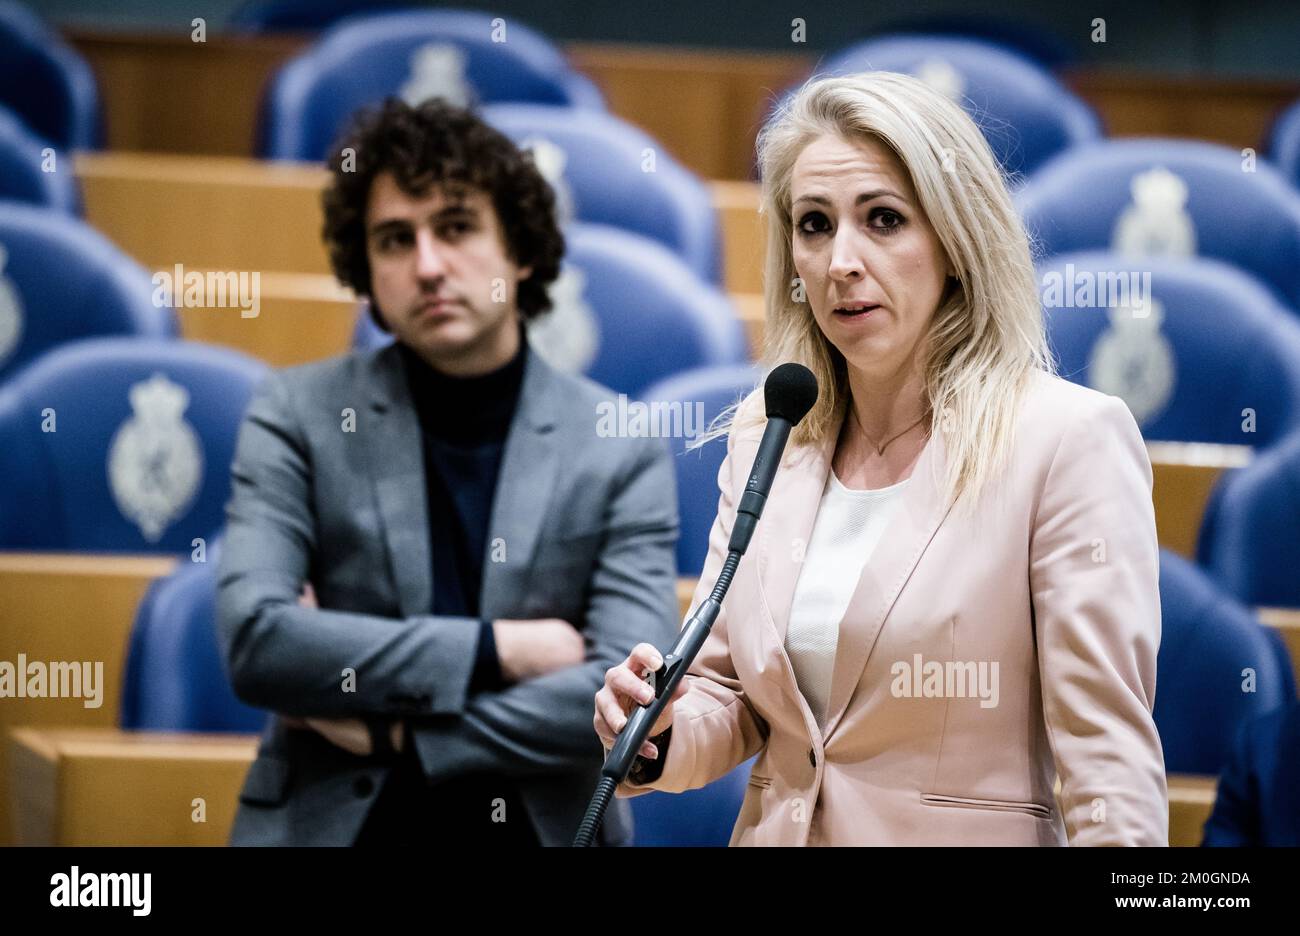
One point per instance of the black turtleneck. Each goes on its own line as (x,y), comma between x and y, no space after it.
(464,422)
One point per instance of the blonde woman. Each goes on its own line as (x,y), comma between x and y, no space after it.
(951,599)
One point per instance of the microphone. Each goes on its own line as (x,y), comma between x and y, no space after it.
(789,393)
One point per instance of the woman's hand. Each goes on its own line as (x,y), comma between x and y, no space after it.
(625,686)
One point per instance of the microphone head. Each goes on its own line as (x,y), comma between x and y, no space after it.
(790,392)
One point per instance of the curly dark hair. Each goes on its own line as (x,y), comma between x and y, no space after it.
(437,143)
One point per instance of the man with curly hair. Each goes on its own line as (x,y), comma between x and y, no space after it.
(431,556)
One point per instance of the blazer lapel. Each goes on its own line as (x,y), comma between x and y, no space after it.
(911,528)
(395,453)
(526,484)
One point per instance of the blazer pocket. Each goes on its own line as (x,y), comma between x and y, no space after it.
(267,783)
(965,802)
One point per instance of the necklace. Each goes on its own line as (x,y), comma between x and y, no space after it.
(880,449)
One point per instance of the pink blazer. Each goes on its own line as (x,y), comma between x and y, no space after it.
(1053,578)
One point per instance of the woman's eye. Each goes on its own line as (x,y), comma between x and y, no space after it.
(814,222)
(886,220)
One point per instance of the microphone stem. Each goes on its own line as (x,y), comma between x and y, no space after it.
(689,641)
(724,578)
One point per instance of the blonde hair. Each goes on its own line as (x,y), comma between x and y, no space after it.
(986,338)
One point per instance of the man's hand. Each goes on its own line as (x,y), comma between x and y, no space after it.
(534,648)
(351,734)
(525,649)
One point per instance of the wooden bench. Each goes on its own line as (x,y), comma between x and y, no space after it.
(242,215)
(1191,800)
(110,787)
(1286,621)
(303,317)
(163,92)
(228,213)
(1184,474)
(68,608)
(308,317)
(207,212)
(77,786)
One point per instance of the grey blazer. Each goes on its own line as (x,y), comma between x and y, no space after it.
(328,487)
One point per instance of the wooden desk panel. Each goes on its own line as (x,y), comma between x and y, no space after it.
(303,317)
(744,235)
(111,787)
(165,93)
(706,106)
(1191,800)
(1184,474)
(749,309)
(229,214)
(207,212)
(1286,621)
(64,608)
(1235,112)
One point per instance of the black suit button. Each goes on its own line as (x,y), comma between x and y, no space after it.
(812,758)
(363,787)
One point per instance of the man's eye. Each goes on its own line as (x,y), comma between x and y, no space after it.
(394,240)
(453,229)
(814,222)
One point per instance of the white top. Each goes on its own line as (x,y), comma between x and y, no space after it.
(848,526)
